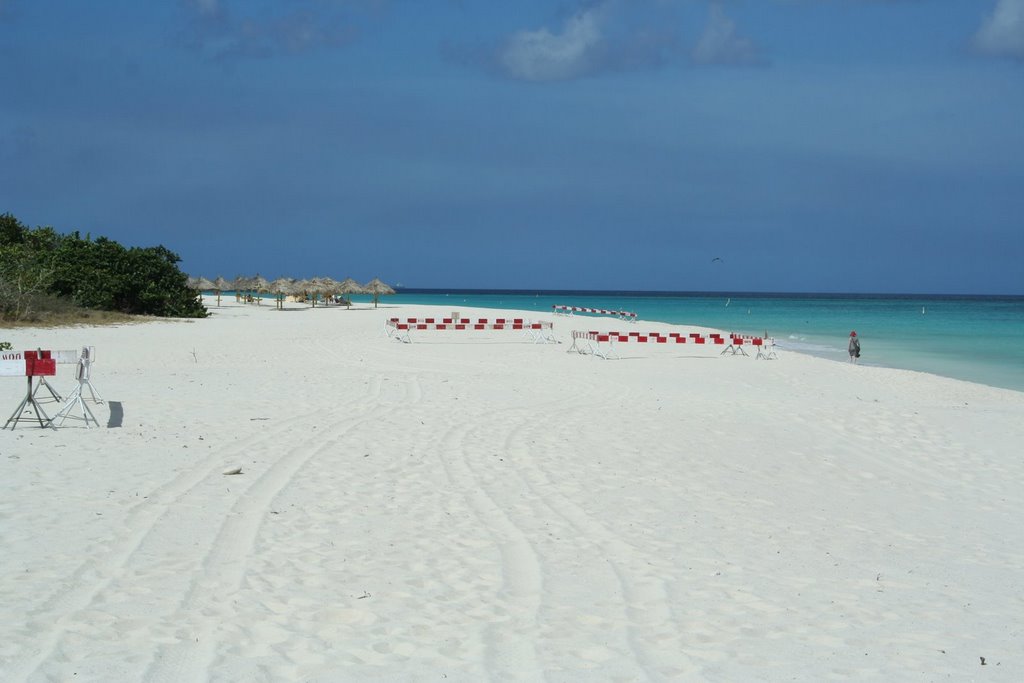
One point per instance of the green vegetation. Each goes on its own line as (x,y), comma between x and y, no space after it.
(46,275)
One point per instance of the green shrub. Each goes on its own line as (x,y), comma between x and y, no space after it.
(93,273)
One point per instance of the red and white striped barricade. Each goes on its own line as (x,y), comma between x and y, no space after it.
(62,357)
(28,364)
(598,344)
(395,325)
(602,344)
(401,330)
(735,346)
(765,346)
(571,310)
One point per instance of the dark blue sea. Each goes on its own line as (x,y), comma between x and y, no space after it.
(974,338)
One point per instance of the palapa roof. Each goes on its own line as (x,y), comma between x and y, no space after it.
(375,286)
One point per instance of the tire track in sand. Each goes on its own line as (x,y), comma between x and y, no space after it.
(646,604)
(95,574)
(225,563)
(509,645)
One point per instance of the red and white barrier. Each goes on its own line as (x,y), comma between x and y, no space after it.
(602,344)
(401,330)
(30,364)
(766,349)
(39,365)
(765,346)
(570,310)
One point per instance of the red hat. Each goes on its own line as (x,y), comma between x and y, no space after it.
(853,334)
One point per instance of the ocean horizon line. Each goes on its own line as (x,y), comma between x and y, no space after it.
(400,289)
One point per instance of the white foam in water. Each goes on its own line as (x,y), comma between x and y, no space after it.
(800,344)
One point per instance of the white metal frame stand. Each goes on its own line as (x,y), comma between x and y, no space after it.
(84,373)
(43,383)
(76,399)
(26,403)
(732,349)
(767,350)
(96,398)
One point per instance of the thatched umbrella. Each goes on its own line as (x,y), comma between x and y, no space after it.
(301,287)
(259,284)
(220,285)
(281,287)
(377,289)
(321,285)
(241,285)
(313,289)
(350,286)
(199,284)
(329,286)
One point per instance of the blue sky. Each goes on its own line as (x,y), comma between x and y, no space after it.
(811,145)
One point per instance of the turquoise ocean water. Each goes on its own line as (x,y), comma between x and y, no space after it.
(974,338)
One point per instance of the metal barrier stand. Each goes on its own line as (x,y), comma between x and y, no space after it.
(76,398)
(29,403)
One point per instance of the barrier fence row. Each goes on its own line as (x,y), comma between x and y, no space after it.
(539,332)
(602,344)
(570,310)
(457,321)
(39,364)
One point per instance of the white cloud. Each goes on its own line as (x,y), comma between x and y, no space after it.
(544,56)
(720,44)
(1002,32)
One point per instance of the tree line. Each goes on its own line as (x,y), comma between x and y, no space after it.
(40,268)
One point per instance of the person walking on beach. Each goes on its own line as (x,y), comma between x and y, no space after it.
(854,347)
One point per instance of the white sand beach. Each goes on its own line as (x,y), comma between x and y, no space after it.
(476,507)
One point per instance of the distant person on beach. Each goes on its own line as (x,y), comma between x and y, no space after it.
(854,347)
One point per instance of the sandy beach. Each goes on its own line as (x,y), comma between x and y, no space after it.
(477,507)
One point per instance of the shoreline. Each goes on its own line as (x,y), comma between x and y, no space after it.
(478,507)
(953,340)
